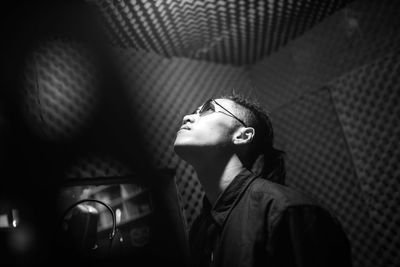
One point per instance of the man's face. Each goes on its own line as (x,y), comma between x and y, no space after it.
(208,131)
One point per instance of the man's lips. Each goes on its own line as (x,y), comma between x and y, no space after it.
(184,127)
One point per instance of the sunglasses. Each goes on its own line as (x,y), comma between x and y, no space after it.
(209,107)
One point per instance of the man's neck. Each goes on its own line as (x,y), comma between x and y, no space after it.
(216,176)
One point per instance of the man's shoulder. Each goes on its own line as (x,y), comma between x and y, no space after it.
(276,200)
(279,194)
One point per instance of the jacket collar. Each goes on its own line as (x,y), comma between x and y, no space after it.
(229,197)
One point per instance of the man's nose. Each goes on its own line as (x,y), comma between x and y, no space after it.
(188,118)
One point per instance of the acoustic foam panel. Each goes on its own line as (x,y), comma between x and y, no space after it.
(231,32)
(318,161)
(275,79)
(367,102)
(59,89)
(359,33)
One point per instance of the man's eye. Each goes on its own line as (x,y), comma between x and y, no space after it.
(206,111)
(208,106)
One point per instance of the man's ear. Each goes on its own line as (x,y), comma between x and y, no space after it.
(243,135)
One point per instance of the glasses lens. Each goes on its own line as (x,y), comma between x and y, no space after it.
(206,108)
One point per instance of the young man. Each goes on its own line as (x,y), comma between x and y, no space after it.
(249,218)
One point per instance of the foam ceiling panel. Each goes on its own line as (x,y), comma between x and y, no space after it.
(231,31)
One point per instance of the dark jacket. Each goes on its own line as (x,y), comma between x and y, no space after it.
(255,222)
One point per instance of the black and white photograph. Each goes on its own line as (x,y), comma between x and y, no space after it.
(200,133)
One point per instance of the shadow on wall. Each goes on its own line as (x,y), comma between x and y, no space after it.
(61,98)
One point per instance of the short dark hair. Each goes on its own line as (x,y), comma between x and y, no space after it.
(273,164)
